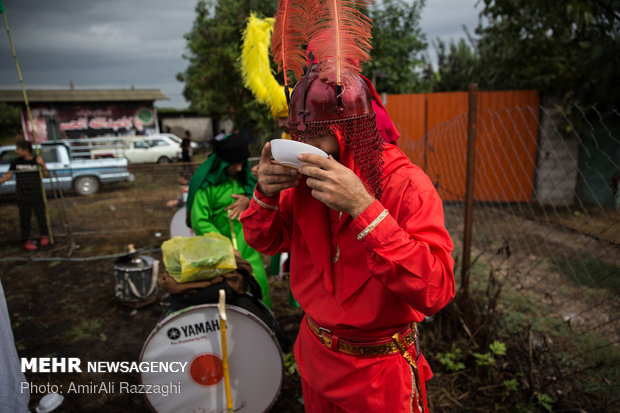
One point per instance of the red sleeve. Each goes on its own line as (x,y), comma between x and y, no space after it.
(411,252)
(267,223)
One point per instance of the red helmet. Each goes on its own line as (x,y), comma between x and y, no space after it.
(316,100)
(320,108)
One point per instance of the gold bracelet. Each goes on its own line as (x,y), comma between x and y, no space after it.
(373,224)
(264,205)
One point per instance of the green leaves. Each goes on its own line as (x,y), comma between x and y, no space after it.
(457,68)
(498,348)
(487,359)
(213,84)
(398,47)
(452,361)
(10,123)
(558,50)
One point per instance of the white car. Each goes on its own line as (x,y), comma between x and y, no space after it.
(138,150)
(193,145)
(149,150)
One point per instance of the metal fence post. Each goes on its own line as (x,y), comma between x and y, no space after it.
(472,113)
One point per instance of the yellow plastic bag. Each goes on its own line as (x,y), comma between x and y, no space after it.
(189,259)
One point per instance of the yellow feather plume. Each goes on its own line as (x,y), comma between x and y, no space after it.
(255,66)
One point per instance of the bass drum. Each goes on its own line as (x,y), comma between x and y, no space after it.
(178,227)
(192,337)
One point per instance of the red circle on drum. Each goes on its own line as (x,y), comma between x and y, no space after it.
(206,369)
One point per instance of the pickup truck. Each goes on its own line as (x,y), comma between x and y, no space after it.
(68,171)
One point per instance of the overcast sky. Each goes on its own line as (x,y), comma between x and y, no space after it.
(117,44)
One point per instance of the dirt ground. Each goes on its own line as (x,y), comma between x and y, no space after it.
(68,309)
(65,306)
(62,301)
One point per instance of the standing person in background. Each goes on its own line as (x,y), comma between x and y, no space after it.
(28,192)
(219,192)
(183,181)
(186,149)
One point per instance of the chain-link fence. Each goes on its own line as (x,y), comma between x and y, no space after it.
(544,223)
(544,228)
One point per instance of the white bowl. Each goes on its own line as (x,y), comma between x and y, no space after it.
(285,151)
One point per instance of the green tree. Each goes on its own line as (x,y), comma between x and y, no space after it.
(10,123)
(398,61)
(213,84)
(456,68)
(564,48)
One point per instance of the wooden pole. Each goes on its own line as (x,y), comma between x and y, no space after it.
(470,184)
(233,236)
(34,134)
(222,310)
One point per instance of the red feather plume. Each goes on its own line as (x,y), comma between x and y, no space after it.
(340,37)
(289,37)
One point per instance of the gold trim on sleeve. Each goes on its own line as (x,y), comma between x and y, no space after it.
(264,205)
(372,225)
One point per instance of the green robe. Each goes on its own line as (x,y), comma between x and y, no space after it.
(209,214)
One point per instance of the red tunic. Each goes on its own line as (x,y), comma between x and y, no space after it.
(360,278)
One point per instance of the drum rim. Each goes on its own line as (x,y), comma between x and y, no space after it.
(181,214)
(228,307)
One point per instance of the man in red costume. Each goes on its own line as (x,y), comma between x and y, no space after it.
(370,253)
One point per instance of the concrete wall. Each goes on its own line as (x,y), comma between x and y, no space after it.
(557,164)
(200,128)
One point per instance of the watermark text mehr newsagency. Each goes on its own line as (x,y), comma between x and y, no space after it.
(74,365)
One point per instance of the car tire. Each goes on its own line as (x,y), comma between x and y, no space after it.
(163,159)
(86,185)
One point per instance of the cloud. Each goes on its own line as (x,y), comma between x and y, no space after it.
(140,43)
(98,44)
(445,19)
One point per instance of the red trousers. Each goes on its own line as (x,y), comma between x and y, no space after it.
(379,385)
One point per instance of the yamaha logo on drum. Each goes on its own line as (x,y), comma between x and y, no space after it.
(191,330)
(174,333)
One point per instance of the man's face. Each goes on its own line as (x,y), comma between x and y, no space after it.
(327,143)
(21,152)
(283,124)
(234,168)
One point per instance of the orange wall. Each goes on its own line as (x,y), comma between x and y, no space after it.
(505,146)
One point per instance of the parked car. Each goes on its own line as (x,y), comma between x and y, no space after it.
(193,145)
(164,140)
(85,176)
(137,150)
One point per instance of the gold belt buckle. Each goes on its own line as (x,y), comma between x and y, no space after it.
(325,340)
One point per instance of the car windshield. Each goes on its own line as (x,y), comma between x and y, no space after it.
(7,156)
(157,142)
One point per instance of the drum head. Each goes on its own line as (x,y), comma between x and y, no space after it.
(178,227)
(193,336)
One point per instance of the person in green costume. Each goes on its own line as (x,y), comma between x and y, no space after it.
(219,191)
